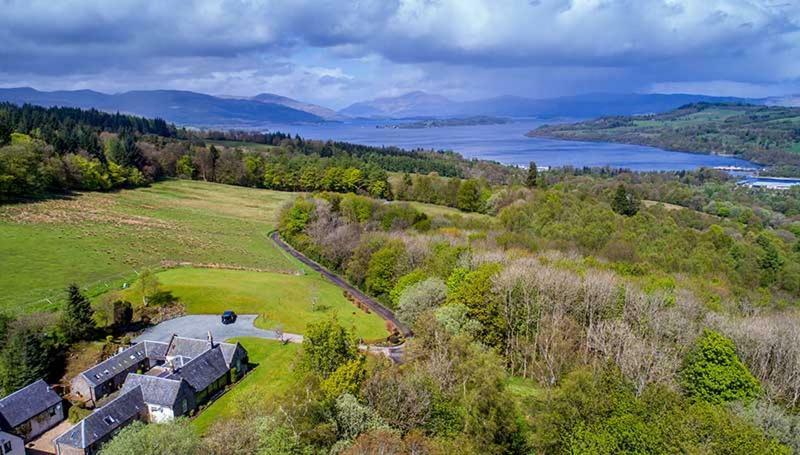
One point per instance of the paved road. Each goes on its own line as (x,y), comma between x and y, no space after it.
(373,304)
(198,326)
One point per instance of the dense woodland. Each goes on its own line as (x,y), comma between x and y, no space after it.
(764,134)
(582,311)
(49,151)
(647,329)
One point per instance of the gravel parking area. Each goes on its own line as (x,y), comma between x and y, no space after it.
(198,326)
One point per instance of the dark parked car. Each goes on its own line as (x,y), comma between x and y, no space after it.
(228,317)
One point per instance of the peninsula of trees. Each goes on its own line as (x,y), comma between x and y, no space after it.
(768,135)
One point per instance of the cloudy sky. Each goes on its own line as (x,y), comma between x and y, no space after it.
(337,52)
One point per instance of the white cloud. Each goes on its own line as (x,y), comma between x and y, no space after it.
(334,51)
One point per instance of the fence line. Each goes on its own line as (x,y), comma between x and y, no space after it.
(54,297)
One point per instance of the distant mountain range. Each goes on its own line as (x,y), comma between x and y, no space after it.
(421,104)
(197,109)
(181,107)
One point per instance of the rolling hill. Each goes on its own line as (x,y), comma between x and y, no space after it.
(314,109)
(764,134)
(421,104)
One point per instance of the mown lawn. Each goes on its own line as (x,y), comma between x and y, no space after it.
(279,299)
(269,379)
(100,240)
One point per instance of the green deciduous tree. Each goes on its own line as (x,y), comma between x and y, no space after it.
(384,268)
(475,291)
(714,373)
(176,438)
(469,196)
(327,346)
(295,217)
(345,379)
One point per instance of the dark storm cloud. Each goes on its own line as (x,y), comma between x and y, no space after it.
(375,46)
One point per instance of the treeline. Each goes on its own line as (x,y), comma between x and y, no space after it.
(469,195)
(52,150)
(70,130)
(625,346)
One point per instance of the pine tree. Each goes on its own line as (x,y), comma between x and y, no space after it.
(625,202)
(77,321)
(25,359)
(533,175)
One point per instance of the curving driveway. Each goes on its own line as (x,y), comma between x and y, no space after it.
(198,326)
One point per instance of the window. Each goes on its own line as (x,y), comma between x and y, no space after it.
(109,420)
(52,411)
(6,446)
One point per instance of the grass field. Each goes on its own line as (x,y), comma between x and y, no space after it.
(272,377)
(100,239)
(278,299)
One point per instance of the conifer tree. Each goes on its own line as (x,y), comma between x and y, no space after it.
(625,202)
(533,175)
(77,322)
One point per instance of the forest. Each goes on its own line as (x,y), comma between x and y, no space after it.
(644,329)
(47,151)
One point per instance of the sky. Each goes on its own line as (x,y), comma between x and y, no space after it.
(338,52)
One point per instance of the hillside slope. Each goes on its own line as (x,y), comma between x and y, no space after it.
(764,134)
(421,104)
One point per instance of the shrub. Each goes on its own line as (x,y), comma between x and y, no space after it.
(77,413)
(714,373)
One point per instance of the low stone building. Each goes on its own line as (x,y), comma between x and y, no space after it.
(161,381)
(88,435)
(166,398)
(108,376)
(27,413)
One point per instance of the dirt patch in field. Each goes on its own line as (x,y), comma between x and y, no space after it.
(88,208)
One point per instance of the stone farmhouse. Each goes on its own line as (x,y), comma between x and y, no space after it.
(155,382)
(27,413)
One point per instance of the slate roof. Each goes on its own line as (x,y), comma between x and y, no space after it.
(118,363)
(156,350)
(104,420)
(155,390)
(203,370)
(26,403)
(193,347)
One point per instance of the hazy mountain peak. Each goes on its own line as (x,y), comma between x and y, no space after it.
(179,106)
(319,111)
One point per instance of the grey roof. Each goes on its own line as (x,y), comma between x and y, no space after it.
(119,363)
(26,403)
(228,350)
(104,420)
(155,390)
(203,370)
(187,347)
(193,347)
(155,349)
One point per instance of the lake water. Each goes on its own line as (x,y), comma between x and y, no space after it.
(508,144)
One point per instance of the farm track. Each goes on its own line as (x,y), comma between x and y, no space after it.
(394,352)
